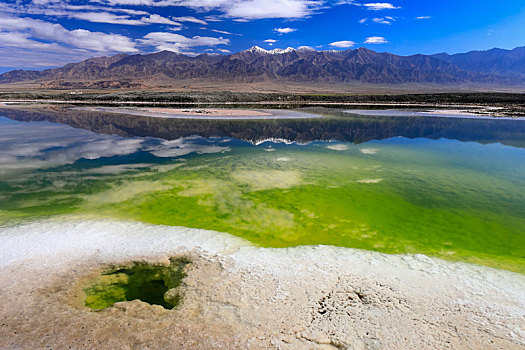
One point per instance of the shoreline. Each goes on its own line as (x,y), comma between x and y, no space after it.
(436,113)
(238,295)
(207,113)
(256,110)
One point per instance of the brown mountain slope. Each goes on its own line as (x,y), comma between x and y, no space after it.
(258,65)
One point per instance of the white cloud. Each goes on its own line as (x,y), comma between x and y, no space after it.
(306,48)
(270,42)
(189,19)
(91,13)
(78,38)
(179,43)
(221,31)
(44,2)
(375,40)
(27,42)
(384,20)
(377,6)
(20,40)
(239,10)
(242,9)
(284,30)
(158,20)
(213,18)
(256,9)
(106,17)
(223,50)
(343,44)
(33,54)
(363,20)
(381,20)
(423,17)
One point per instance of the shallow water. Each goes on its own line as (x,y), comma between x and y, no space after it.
(444,187)
(146,282)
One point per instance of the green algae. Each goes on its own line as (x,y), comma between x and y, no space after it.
(454,200)
(152,284)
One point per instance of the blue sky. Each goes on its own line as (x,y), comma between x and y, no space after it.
(47,33)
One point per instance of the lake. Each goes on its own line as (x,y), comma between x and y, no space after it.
(451,188)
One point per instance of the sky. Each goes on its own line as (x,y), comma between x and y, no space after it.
(38,34)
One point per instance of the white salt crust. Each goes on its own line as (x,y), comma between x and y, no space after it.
(316,297)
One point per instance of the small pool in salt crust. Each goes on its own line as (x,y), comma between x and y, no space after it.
(150,283)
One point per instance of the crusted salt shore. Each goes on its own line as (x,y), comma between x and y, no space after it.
(478,112)
(237,295)
(206,113)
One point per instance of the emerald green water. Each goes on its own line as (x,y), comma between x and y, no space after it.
(451,199)
(148,283)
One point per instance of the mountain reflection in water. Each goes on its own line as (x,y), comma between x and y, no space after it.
(339,126)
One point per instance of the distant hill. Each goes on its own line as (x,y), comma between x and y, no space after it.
(498,67)
(501,62)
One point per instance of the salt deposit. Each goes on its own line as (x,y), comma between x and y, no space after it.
(206,113)
(237,295)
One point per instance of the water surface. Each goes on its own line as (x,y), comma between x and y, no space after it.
(444,187)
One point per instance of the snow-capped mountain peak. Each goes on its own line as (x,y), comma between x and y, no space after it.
(257,49)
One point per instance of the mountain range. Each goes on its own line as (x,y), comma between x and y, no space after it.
(493,67)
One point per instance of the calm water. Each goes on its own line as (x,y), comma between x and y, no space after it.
(452,188)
